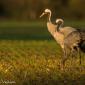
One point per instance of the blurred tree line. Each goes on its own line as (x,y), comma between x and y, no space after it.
(31,9)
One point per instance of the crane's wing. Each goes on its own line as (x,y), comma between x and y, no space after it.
(67,30)
(82,33)
(72,39)
(82,44)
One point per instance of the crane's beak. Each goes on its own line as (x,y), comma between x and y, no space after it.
(42,14)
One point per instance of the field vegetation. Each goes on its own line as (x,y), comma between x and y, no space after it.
(30,56)
(37,63)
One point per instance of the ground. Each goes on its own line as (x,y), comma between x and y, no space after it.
(36,62)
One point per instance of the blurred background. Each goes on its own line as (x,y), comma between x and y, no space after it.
(19,19)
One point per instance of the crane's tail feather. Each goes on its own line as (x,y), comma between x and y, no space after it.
(82,33)
(82,46)
(82,43)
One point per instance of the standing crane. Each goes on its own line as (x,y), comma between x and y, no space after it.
(62,35)
(72,39)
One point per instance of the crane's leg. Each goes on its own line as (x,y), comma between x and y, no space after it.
(63,60)
(79,53)
(66,54)
(73,54)
(64,57)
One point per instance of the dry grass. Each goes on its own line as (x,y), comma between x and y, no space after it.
(37,63)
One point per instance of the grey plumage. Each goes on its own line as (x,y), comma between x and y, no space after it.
(82,33)
(71,44)
(82,43)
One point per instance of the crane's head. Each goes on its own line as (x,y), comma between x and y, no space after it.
(59,21)
(46,11)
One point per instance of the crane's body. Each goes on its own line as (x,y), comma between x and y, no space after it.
(72,40)
(67,30)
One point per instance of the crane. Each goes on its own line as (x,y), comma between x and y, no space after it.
(52,28)
(63,35)
(72,39)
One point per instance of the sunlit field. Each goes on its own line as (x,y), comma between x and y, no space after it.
(30,56)
(37,63)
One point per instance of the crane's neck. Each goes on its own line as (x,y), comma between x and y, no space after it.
(59,26)
(49,16)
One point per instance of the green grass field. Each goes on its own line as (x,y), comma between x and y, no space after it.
(30,56)
(30,30)
(37,63)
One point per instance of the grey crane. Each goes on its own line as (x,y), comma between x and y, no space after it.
(73,40)
(61,34)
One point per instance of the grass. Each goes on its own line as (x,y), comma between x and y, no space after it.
(29,56)
(31,62)
(30,30)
